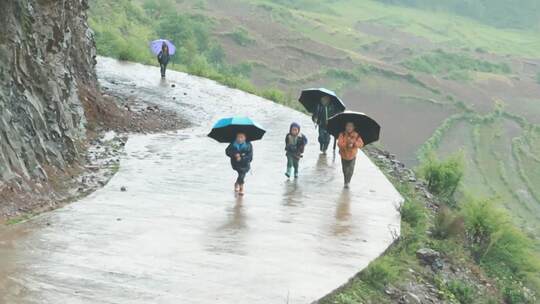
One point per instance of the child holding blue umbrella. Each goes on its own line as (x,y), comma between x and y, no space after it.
(241,154)
(239,132)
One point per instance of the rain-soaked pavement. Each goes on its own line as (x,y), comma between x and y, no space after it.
(179,234)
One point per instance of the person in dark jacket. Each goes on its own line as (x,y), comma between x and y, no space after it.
(294,147)
(325,109)
(241,154)
(163,58)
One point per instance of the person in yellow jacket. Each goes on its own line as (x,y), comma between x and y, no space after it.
(349,142)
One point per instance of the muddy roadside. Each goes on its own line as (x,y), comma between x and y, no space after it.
(111,117)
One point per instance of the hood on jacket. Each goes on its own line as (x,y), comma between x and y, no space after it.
(294,125)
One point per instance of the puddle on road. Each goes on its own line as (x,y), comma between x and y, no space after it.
(179,235)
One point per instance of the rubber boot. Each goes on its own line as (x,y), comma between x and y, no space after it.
(288,172)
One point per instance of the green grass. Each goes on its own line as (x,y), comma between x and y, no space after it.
(454,65)
(121,30)
(499,13)
(19,219)
(335,25)
(241,36)
(462,291)
(474,234)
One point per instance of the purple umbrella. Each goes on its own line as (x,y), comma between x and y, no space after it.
(155,46)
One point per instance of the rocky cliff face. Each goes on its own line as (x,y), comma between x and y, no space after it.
(47,59)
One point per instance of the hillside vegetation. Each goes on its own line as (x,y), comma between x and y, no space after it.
(499,13)
(450,251)
(124,29)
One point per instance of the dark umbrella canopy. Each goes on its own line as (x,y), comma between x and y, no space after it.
(226,129)
(311,97)
(368,128)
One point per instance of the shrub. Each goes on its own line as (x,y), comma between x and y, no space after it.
(243,69)
(241,37)
(216,54)
(199,66)
(156,8)
(462,291)
(459,75)
(482,220)
(447,224)
(515,293)
(412,212)
(342,74)
(274,95)
(443,177)
(499,247)
(127,54)
(380,272)
(240,83)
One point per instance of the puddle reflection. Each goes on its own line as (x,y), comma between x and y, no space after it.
(292,196)
(343,217)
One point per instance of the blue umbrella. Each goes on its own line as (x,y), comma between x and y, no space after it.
(226,129)
(310,98)
(155,46)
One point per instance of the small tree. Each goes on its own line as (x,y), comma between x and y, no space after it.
(497,245)
(443,176)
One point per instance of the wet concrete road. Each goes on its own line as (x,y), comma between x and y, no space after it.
(179,234)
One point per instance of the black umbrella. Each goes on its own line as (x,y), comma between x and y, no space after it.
(310,98)
(225,129)
(368,128)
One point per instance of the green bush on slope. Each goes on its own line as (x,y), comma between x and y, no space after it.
(462,291)
(443,177)
(495,243)
(471,232)
(241,37)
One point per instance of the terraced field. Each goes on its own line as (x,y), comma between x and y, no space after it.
(501,162)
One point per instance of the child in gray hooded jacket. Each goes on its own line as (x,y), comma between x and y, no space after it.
(294,147)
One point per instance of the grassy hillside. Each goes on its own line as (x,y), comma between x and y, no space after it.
(480,257)
(124,28)
(499,13)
